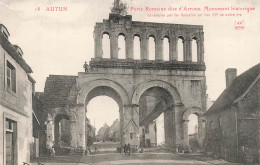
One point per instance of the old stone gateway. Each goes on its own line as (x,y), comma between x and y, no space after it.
(177,88)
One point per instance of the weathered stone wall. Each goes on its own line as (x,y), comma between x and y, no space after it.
(190,85)
(222,140)
(234,127)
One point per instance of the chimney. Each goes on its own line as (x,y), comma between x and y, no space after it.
(4,30)
(231,74)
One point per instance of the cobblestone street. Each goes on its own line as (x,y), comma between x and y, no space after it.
(135,158)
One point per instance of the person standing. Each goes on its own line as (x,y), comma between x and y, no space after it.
(85,66)
(125,149)
(96,149)
(129,149)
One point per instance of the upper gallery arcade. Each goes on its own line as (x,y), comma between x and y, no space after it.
(118,25)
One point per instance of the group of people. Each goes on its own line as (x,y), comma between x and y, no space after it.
(127,149)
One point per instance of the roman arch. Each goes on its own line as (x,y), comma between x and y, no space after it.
(174,86)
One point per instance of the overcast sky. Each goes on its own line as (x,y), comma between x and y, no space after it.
(60,42)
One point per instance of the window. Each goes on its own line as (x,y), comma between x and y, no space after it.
(10,77)
(147,129)
(131,135)
(220,122)
(211,125)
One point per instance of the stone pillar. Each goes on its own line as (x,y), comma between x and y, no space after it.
(188,51)
(184,49)
(198,50)
(129,48)
(185,133)
(201,43)
(113,46)
(201,130)
(131,125)
(144,47)
(73,133)
(86,134)
(178,108)
(169,129)
(56,132)
(173,49)
(98,44)
(258,136)
(49,133)
(78,139)
(121,116)
(159,49)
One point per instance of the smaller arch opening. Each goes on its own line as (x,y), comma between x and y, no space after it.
(194,49)
(180,48)
(62,136)
(137,47)
(151,47)
(121,46)
(166,48)
(193,131)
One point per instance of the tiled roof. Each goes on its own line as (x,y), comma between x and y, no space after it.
(57,91)
(10,49)
(240,84)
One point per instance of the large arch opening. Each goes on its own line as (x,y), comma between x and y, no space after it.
(105,45)
(153,104)
(103,118)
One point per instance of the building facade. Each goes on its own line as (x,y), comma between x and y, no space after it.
(233,121)
(16,114)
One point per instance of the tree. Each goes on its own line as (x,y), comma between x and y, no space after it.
(119,7)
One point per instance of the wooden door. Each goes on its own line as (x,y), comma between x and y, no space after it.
(9,149)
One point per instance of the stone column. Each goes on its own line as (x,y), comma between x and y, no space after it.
(73,133)
(201,48)
(144,47)
(159,49)
(129,48)
(169,129)
(78,139)
(49,133)
(113,46)
(198,50)
(121,116)
(56,132)
(98,44)
(185,133)
(201,130)
(201,51)
(184,49)
(188,51)
(258,136)
(131,125)
(173,49)
(178,124)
